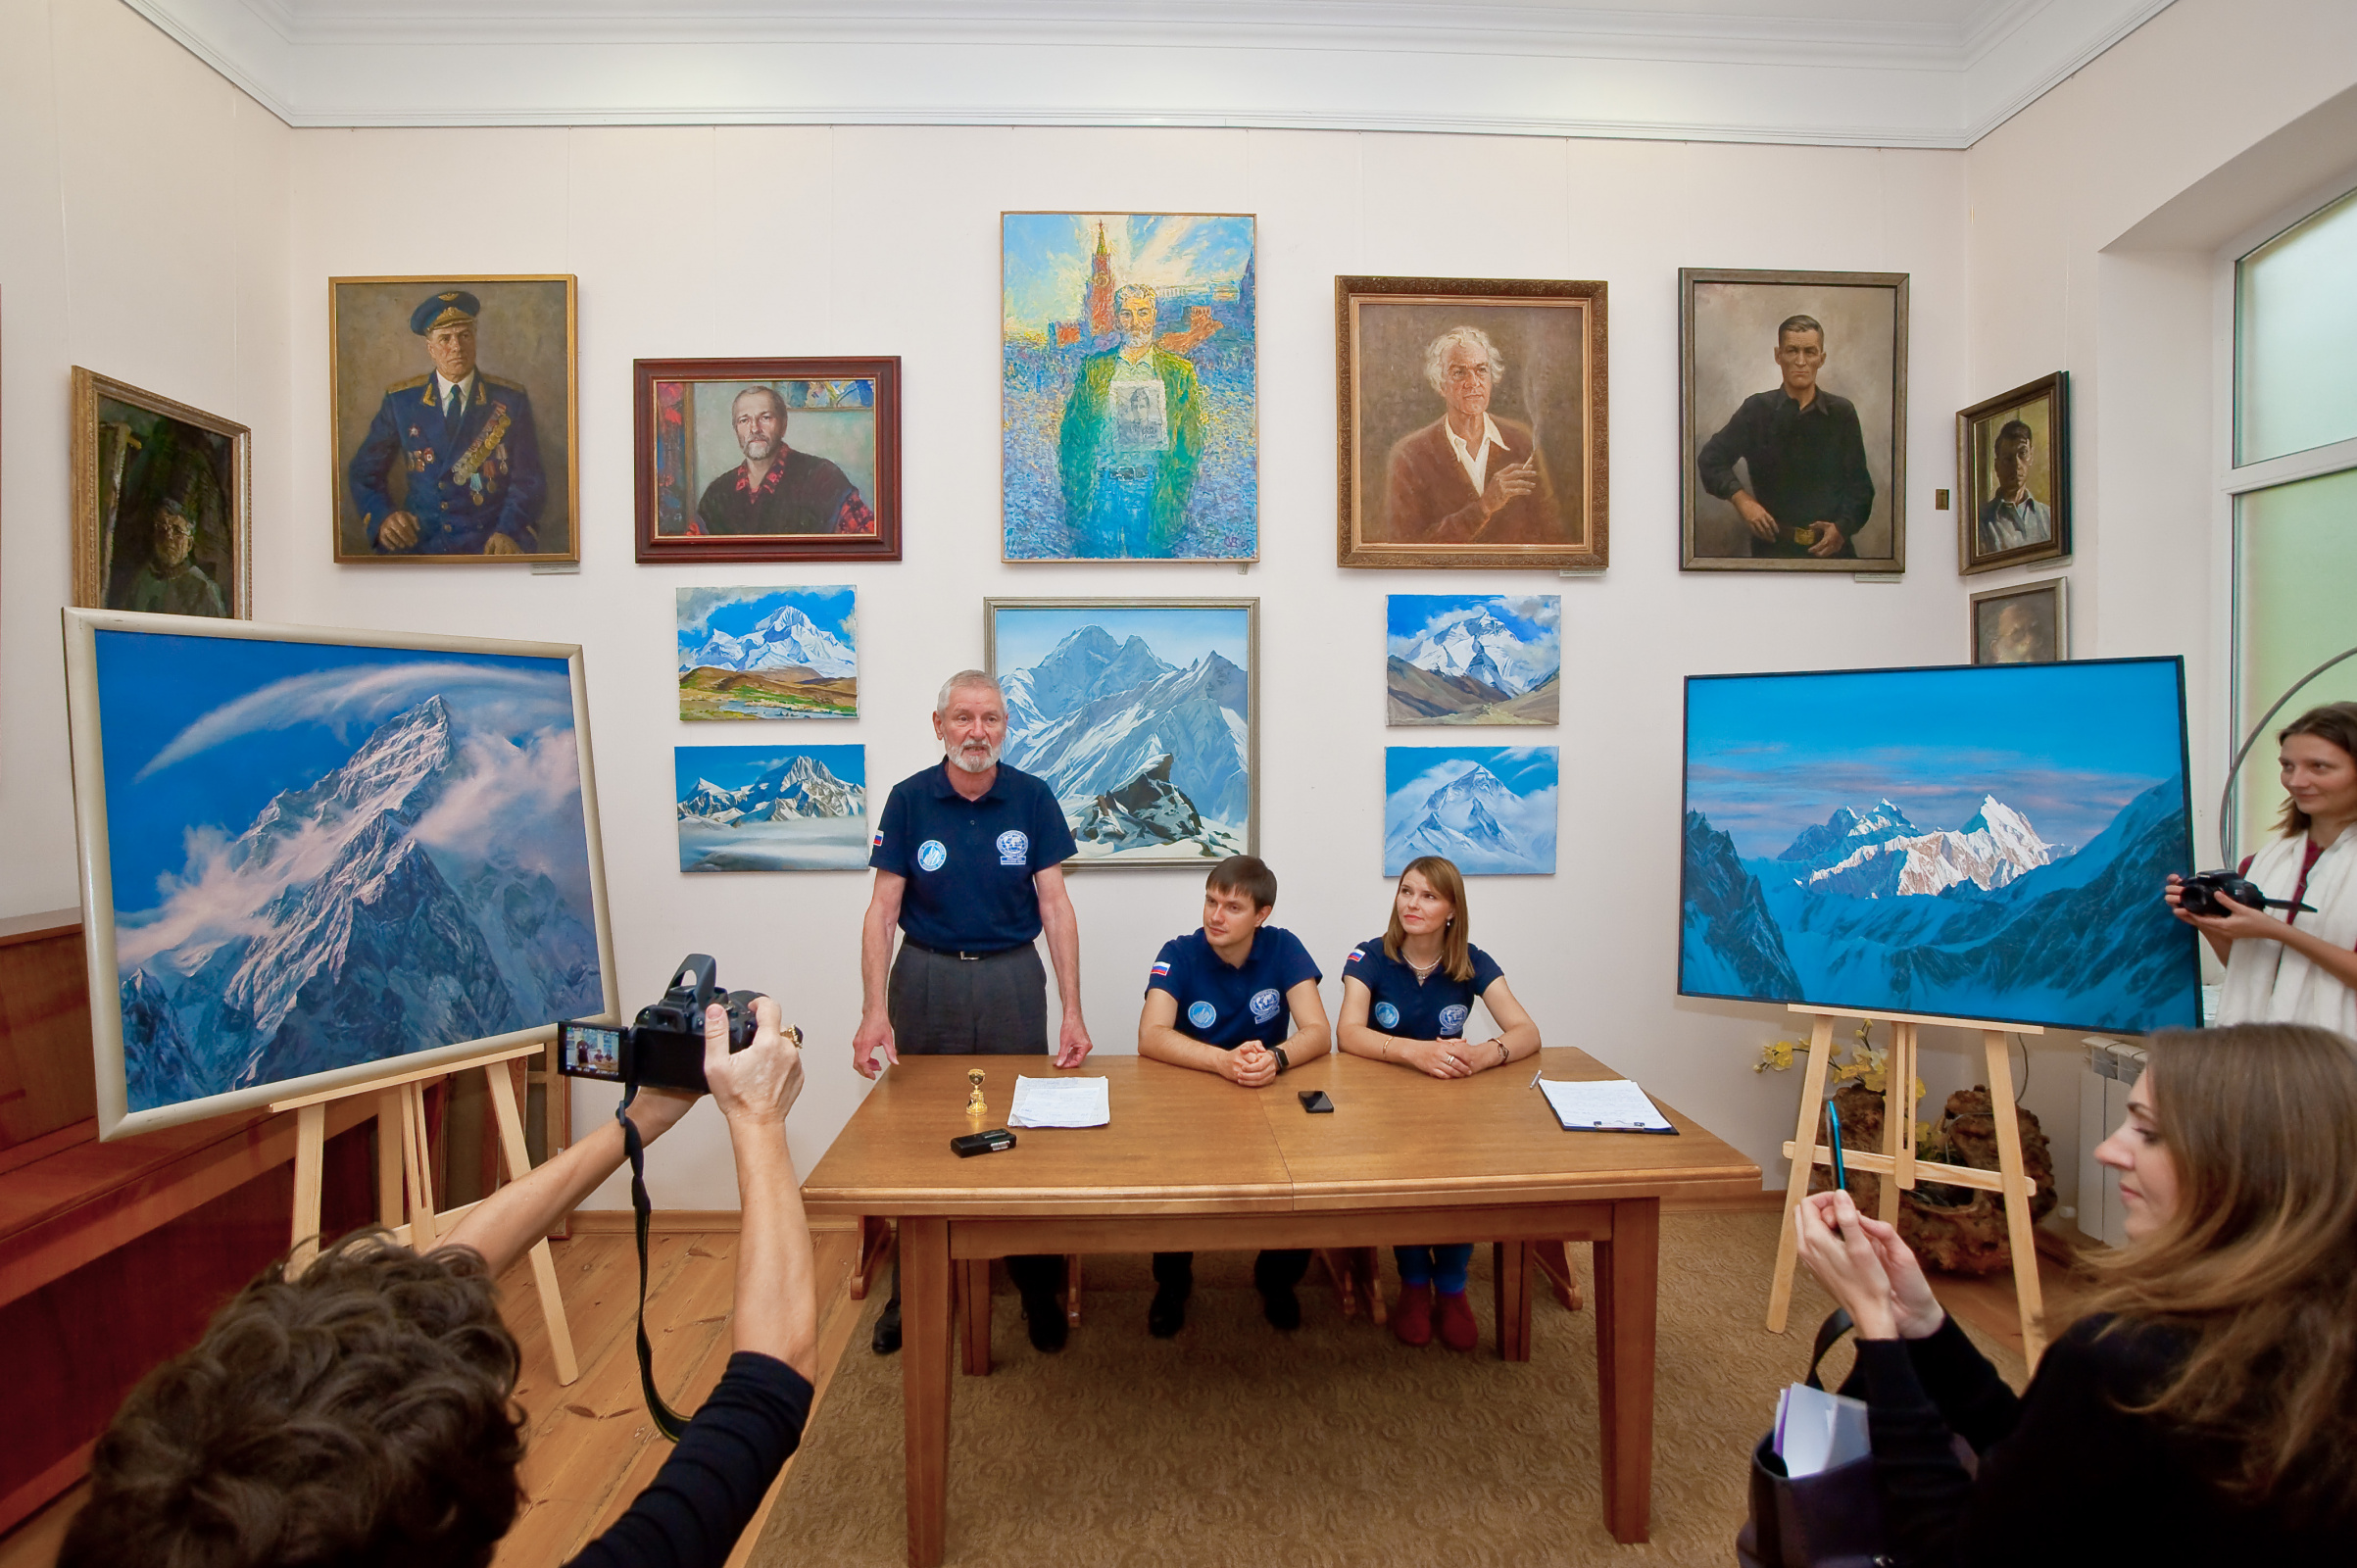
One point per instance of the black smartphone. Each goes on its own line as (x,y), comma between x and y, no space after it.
(1314,1102)
(989,1143)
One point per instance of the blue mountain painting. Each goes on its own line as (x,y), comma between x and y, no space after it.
(1859,903)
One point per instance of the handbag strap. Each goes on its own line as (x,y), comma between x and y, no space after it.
(1829,1334)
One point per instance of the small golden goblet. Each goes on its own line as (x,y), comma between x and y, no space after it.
(973,1102)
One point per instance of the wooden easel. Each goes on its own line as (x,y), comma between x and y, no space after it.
(404,1181)
(1897,1165)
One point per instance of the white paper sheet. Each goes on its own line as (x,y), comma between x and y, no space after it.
(1815,1431)
(1610,1104)
(1060,1103)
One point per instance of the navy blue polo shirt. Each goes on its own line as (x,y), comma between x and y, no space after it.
(1397,1006)
(969,863)
(1225,1005)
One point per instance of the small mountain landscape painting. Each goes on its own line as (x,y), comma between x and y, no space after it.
(1139,716)
(1489,809)
(772,807)
(308,859)
(768,653)
(1976,842)
(1473,658)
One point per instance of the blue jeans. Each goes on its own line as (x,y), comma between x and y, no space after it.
(1443,1267)
(1120,521)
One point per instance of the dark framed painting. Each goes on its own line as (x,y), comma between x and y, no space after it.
(1473,422)
(454,418)
(1129,376)
(163,503)
(2025,623)
(1142,715)
(2013,464)
(767,460)
(1792,434)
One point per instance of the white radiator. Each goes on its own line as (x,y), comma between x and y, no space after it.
(2112,1069)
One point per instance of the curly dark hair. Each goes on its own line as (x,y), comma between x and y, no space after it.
(358,1414)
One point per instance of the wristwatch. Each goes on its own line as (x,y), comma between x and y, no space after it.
(1283,1061)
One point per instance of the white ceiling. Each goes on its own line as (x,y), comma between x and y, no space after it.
(1874,73)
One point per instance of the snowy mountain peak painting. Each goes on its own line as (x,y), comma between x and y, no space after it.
(772,807)
(1474,659)
(1139,715)
(321,858)
(1489,809)
(1815,871)
(768,653)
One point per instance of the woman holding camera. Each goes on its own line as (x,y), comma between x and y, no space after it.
(2300,968)
(363,1412)
(1406,996)
(2205,1409)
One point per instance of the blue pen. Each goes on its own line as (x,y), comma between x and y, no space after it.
(1840,1176)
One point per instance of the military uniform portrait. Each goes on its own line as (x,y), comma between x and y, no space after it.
(162,514)
(454,418)
(1794,429)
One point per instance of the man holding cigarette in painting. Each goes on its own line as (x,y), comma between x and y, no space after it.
(474,484)
(1805,457)
(1469,477)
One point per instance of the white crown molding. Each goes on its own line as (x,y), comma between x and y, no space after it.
(1938,76)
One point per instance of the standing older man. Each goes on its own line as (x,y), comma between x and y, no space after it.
(778,489)
(1469,477)
(968,857)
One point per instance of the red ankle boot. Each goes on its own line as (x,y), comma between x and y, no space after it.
(1411,1319)
(1458,1329)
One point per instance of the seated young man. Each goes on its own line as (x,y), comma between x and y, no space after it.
(1225,999)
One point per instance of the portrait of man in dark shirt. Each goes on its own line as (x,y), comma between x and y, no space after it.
(778,489)
(1803,489)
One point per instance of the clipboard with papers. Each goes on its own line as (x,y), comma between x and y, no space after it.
(1602,1106)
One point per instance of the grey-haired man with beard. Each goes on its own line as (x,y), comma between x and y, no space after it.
(968,857)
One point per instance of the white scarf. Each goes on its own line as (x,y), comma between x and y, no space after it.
(2267,982)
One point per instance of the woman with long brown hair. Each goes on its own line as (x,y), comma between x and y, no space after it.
(2204,1409)
(1407,995)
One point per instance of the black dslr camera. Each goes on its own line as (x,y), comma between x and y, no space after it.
(664,1047)
(2200,895)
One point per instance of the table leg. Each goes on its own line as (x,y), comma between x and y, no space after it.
(1510,1284)
(925,1382)
(1627,1267)
(875,1245)
(974,1291)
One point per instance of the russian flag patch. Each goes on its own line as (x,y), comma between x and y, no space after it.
(1161,968)
(876,842)
(1355,957)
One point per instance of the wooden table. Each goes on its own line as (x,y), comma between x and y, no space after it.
(1192,1163)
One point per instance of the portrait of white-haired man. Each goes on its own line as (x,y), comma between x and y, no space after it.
(1469,477)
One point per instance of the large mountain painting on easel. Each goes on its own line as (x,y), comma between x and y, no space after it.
(1982,842)
(316,859)
(1139,714)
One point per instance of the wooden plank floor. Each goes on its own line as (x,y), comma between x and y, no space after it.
(590,1446)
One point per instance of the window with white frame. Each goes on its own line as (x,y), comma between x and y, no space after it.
(2293,484)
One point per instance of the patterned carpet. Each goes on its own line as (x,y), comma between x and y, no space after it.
(1333,1446)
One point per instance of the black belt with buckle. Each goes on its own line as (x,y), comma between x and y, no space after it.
(961,957)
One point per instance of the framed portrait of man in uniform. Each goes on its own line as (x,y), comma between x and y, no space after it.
(767,460)
(163,503)
(1793,429)
(2013,463)
(454,418)
(1473,422)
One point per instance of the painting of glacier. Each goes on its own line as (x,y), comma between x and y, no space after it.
(1473,658)
(1490,809)
(321,858)
(1139,716)
(768,653)
(772,807)
(1969,842)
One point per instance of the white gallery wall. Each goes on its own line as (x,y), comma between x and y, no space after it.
(162,230)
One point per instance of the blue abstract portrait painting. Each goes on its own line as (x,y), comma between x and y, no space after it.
(307,858)
(1973,841)
(1130,385)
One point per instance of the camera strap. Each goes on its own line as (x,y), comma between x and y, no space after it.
(667,1421)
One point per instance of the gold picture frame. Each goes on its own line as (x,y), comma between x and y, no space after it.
(2029,426)
(137,456)
(507,481)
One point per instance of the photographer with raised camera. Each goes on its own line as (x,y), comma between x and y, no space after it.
(2301,967)
(363,1412)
